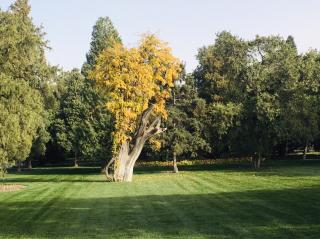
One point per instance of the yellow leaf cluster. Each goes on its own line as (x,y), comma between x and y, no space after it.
(132,77)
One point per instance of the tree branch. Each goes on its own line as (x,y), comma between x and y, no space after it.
(155,128)
(260,53)
(144,121)
(107,169)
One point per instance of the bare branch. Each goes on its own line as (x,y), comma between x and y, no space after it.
(155,124)
(155,128)
(144,121)
(107,169)
(260,53)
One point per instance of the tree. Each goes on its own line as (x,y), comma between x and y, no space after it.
(22,46)
(219,79)
(22,58)
(259,94)
(21,115)
(304,118)
(271,76)
(291,42)
(104,35)
(185,134)
(137,82)
(77,125)
(49,92)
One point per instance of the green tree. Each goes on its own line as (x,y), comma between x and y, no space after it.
(49,92)
(185,134)
(104,35)
(304,119)
(22,46)
(78,124)
(270,86)
(259,94)
(21,116)
(219,79)
(22,58)
(291,42)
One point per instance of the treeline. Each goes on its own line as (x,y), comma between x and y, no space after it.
(252,98)
(256,98)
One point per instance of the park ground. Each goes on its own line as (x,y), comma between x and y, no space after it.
(282,200)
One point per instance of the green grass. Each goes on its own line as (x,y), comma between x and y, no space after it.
(280,201)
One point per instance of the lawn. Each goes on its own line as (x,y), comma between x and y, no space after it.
(280,201)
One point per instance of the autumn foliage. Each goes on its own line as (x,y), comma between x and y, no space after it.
(134,78)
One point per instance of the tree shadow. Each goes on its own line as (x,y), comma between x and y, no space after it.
(53,180)
(57,171)
(290,213)
(56,174)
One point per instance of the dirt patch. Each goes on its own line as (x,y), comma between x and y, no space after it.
(10,187)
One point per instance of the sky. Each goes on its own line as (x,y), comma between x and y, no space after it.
(186,25)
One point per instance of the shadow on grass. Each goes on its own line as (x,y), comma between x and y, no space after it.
(58,171)
(291,213)
(55,174)
(53,180)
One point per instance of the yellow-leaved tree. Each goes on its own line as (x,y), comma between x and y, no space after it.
(137,82)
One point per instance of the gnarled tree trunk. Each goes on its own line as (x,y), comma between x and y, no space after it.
(130,150)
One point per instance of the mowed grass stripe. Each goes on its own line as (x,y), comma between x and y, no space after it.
(218,204)
(262,210)
(77,203)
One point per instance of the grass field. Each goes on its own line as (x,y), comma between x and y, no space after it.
(280,201)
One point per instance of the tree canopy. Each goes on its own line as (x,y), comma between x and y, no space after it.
(134,78)
(21,115)
(137,83)
(24,72)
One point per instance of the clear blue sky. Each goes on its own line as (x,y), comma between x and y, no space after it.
(185,24)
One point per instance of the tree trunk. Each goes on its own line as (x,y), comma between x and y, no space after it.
(2,171)
(29,164)
(175,166)
(130,150)
(19,166)
(103,167)
(305,150)
(76,165)
(126,160)
(256,161)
